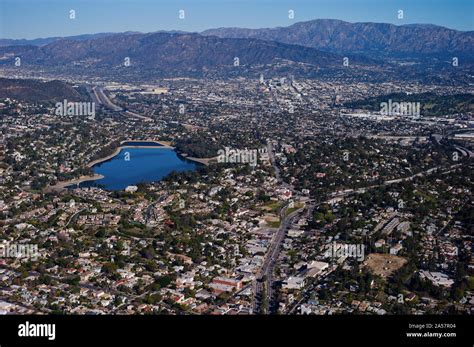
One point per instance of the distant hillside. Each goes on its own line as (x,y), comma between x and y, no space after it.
(312,49)
(46,40)
(366,38)
(166,55)
(37,91)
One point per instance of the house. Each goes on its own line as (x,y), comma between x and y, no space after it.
(185,280)
(315,268)
(293,282)
(379,243)
(395,249)
(285,194)
(295,233)
(224,284)
(438,278)
(131,189)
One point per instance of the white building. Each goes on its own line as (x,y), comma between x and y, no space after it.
(438,278)
(131,189)
(293,282)
(395,249)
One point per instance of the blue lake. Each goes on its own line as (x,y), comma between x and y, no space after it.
(144,165)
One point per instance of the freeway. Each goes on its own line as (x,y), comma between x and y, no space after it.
(103,99)
(464,151)
(99,95)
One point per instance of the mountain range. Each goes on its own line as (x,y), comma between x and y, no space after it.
(314,48)
(366,38)
(331,35)
(156,55)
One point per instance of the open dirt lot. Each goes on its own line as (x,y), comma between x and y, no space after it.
(383,264)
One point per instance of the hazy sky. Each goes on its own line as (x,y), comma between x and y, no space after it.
(44,18)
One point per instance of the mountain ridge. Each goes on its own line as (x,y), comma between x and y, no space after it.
(331,35)
(166,54)
(362,37)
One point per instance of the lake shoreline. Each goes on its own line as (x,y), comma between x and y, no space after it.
(203,161)
(122,146)
(63,185)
